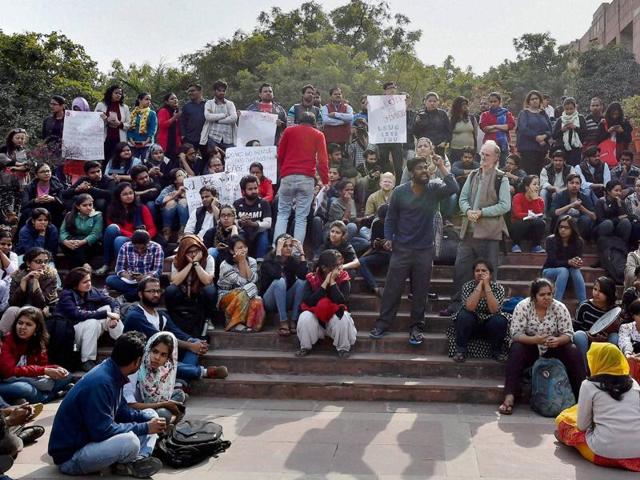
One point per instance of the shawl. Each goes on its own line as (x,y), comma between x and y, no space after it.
(180,261)
(143,115)
(570,138)
(157,386)
(501,119)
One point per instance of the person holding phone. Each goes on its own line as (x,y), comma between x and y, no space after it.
(143,128)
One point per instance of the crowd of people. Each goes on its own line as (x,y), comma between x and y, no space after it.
(290,247)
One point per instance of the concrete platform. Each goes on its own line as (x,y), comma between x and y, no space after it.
(316,440)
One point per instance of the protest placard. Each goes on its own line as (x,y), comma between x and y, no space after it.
(83,136)
(238,160)
(256,126)
(387,118)
(227,185)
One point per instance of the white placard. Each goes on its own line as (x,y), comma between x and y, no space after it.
(227,185)
(257,126)
(387,118)
(238,160)
(83,136)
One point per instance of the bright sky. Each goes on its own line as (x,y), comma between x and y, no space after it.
(476,33)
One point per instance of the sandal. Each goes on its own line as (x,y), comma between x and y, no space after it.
(284,330)
(505,409)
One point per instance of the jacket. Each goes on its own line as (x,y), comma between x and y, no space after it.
(164,123)
(45,296)
(56,190)
(125,118)
(143,217)
(93,411)
(77,308)
(491,224)
(531,125)
(300,150)
(11,354)
(135,320)
(229,118)
(272,269)
(434,125)
(98,190)
(29,238)
(87,228)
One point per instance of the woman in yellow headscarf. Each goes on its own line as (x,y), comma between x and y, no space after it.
(605,424)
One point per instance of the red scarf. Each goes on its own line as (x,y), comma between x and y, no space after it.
(325,308)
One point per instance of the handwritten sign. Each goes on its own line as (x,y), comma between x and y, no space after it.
(227,185)
(387,118)
(83,136)
(257,126)
(238,160)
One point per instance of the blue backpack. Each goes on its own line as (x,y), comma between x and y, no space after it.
(550,387)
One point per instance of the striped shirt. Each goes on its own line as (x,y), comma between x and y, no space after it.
(587,315)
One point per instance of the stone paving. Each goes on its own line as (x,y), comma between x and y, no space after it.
(311,440)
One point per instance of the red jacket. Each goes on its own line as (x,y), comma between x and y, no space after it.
(164,122)
(266,189)
(301,148)
(127,229)
(10,355)
(520,206)
(487,119)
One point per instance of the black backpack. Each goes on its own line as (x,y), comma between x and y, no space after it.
(62,337)
(190,442)
(612,252)
(448,247)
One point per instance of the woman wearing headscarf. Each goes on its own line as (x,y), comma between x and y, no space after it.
(605,424)
(154,384)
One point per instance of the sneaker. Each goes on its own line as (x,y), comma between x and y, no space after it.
(217,372)
(516,248)
(140,468)
(87,366)
(377,333)
(538,249)
(415,336)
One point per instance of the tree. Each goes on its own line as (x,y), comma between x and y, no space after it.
(33,67)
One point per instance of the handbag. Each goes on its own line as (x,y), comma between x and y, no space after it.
(608,149)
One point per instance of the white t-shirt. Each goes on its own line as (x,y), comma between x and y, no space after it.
(153,319)
(129,390)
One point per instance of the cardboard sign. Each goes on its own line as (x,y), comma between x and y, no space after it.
(238,160)
(83,136)
(257,126)
(387,118)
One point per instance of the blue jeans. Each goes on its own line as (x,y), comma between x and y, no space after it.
(178,210)
(261,244)
(140,153)
(112,242)
(277,297)
(152,208)
(560,276)
(494,329)
(189,364)
(129,290)
(121,448)
(296,189)
(22,388)
(581,340)
(214,252)
(376,259)
(358,243)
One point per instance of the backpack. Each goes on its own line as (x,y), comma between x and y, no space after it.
(612,252)
(550,387)
(448,247)
(61,348)
(190,442)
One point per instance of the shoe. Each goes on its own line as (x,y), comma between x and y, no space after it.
(516,248)
(377,333)
(344,353)
(500,357)
(303,352)
(432,296)
(415,336)
(87,366)
(378,291)
(445,312)
(459,357)
(217,372)
(29,435)
(67,388)
(102,270)
(140,468)
(538,249)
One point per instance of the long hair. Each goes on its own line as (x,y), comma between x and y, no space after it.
(109,92)
(614,107)
(614,385)
(9,141)
(575,240)
(456,111)
(40,338)
(116,160)
(180,261)
(118,212)
(70,218)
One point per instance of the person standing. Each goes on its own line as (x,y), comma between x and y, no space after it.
(192,117)
(534,133)
(219,129)
(592,123)
(302,151)
(337,116)
(484,200)
(169,137)
(267,105)
(306,105)
(496,122)
(409,234)
(116,116)
(433,123)
(393,150)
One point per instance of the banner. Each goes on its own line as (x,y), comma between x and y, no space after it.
(238,160)
(227,185)
(257,126)
(83,136)
(387,119)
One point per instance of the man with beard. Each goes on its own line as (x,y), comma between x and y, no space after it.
(203,218)
(409,234)
(307,105)
(592,120)
(254,217)
(145,317)
(267,105)
(93,183)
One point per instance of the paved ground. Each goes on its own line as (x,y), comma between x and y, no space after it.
(307,440)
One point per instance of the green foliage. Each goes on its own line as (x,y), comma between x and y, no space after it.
(33,67)
(631,108)
(610,73)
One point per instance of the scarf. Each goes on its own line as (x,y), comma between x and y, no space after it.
(180,261)
(142,115)
(501,119)
(570,138)
(606,359)
(157,386)
(325,309)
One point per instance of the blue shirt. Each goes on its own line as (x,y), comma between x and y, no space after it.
(192,121)
(409,220)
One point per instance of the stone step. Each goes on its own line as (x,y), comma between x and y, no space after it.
(539,259)
(515,272)
(367,388)
(394,342)
(420,364)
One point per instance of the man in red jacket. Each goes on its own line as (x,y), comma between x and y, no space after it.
(301,149)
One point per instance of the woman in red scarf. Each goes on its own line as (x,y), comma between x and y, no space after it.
(324,307)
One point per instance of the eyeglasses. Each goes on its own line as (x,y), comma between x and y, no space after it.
(227,215)
(154,291)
